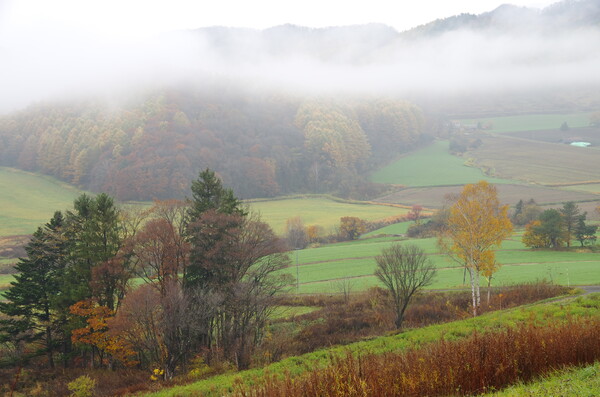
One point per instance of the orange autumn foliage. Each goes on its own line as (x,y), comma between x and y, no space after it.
(96,333)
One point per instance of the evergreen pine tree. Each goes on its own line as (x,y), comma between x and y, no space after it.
(29,299)
(208,193)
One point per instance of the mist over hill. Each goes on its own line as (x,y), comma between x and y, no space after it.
(285,109)
(507,49)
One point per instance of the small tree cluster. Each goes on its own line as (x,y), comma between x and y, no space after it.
(525,212)
(555,228)
(351,227)
(210,278)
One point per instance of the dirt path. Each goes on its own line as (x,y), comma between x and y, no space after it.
(589,289)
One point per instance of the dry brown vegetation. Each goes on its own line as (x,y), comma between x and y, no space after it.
(473,365)
(534,161)
(371,313)
(434,197)
(586,134)
(365,315)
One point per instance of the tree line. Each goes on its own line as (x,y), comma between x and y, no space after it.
(554,228)
(260,146)
(208,271)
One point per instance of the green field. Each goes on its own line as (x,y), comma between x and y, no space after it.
(532,122)
(319,270)
(318,211)
(430,166)
(5,280)
(590,188)
(393,229)
(28,200)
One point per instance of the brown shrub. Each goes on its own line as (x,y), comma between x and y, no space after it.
(477,364)
(370,313)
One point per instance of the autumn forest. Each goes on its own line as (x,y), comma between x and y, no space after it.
(260,146)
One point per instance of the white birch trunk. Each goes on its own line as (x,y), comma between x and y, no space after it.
(477,289)
(473,294)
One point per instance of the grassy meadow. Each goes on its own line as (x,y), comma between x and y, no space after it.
(531,122)
(395,228)
(28,200)
(322,269)
(319,211)
(430,166)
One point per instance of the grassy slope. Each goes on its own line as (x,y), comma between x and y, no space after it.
(532,122)
(318,211)
(395,228)
(430,166)
(5,280)
(542,313)
(580,382)
(28,200)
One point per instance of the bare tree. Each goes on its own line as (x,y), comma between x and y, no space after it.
(344,287)
(296,233)
(164,326)
(404,270)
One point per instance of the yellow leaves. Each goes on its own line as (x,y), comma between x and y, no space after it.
(332,133)
(476,223)
(156,373)
(533,239)
(352,227)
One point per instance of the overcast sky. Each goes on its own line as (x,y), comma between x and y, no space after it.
(142,18)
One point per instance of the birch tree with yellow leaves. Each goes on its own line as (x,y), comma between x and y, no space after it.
(476,224)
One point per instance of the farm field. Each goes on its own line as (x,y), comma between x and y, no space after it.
(395,228)
(538,162)
(430,166)
(588,188)
(28,200)
(434,197)
(322,269)
(532,122)
(584,134)
(318,211)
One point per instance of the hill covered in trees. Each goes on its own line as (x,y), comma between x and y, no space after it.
(261,146)
(254,104)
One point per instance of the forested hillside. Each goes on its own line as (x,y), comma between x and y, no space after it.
(261,146)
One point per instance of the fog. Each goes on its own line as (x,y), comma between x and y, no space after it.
(511,49)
